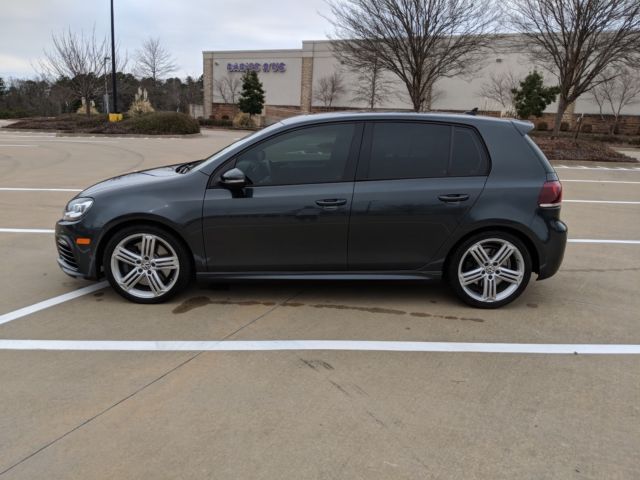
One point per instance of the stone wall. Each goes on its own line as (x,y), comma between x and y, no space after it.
(207,84)
(222,110)
(306,92)
(627,124)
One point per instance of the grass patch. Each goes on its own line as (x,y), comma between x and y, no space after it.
(157,123)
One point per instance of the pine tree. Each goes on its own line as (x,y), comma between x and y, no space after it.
(533,97)
(252,95)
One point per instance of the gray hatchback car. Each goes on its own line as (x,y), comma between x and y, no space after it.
(335,196)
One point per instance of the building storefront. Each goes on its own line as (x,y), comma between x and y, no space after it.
(292,78)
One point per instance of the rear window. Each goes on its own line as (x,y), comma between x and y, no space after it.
(403,150)
(408,150)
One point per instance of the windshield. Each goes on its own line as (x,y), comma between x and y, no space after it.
(238,143)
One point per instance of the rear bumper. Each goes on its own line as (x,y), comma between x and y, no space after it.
(551,251)
(75,260)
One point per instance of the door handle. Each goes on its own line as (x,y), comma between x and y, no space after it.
(453,197)
(331,202)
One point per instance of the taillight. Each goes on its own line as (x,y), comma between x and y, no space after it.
(551,194)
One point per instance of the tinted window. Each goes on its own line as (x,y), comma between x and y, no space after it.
(409,150)
(310,155)
(469,157)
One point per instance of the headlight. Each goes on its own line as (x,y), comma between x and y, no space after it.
(76,209)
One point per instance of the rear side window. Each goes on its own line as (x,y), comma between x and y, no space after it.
(408,150)
(401,150)
(468,157)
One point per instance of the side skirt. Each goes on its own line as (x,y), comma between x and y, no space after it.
(238,276)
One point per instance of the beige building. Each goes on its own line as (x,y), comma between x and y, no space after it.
(291,81)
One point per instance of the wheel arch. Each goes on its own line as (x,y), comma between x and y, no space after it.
(117,225)
(526,239)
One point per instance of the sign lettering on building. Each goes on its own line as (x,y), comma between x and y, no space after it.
(275,67)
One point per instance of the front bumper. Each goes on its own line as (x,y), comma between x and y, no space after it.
(75,260)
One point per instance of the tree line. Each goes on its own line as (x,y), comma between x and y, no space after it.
(77,67)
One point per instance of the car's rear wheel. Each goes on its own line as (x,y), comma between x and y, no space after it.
(490,269)
(146,264)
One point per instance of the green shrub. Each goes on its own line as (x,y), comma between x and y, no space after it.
(13,113)
(158,123)
(213,122)
(542,126)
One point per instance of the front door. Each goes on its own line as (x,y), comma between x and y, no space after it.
(415,183)
(294,215)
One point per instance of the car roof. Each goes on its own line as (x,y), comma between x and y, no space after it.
(476,120)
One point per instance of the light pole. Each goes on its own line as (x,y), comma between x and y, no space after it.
(106,88)
(113,64)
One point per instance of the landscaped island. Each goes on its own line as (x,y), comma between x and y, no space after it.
(155,123)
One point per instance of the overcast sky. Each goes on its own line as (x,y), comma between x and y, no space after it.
(185,27)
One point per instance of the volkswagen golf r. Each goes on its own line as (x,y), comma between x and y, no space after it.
(336,196)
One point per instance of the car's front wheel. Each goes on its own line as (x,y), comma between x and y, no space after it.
(146,264)
(490,269)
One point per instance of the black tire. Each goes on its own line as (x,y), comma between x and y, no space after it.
(461,254)
(176,280)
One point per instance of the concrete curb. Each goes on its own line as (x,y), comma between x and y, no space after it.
(101,135)
(128,135)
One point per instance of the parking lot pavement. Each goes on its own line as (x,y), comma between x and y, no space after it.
(314,413)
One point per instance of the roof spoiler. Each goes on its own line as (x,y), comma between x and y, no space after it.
(522,126)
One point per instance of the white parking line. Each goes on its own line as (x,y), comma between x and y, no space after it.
(616,202)
(26,230)
(598,167)
(25,189)
(350,345)
(36,307)
(603,241)
(598,181)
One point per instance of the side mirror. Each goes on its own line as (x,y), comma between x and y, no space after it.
(234,178)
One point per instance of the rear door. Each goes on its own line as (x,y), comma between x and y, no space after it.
(414,184)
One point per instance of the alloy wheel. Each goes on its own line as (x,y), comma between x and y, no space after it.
(145,265)
(491,270)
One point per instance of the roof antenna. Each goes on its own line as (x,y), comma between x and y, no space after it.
(473,111)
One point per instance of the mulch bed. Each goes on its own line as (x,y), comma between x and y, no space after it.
(581,150)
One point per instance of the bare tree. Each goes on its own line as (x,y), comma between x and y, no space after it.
(79,60)
(618,89)
(153,60)
(329,88)
(228,88)
(420,41)
(499,88)
(372,87)
(577,40)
